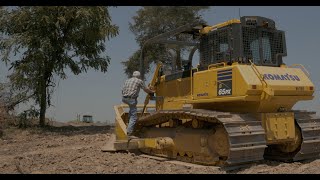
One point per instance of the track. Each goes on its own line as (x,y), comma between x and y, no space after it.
(309,125)
(245,135)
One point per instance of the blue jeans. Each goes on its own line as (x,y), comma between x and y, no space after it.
(132,113)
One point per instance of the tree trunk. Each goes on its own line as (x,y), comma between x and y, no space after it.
(43,104)
(178,59)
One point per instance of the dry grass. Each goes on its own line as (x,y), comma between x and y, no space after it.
(3,116)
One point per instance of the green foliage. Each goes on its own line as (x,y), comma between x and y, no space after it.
(154,20)
(42,42)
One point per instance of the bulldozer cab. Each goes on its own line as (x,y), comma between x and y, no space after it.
(251,39)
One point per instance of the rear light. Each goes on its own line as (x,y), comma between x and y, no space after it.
(311,88)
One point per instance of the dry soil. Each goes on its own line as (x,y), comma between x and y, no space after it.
(76,149)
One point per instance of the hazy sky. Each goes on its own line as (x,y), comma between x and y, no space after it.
(96,93)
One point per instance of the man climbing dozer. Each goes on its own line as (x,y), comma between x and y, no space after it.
(130,93)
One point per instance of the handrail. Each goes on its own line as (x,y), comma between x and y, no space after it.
(260,76)
(191,82)
(265,87)
(216,65)
(152,84)
(303,68)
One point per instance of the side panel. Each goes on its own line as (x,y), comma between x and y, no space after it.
(246,78)
(237,88)
(225,82)
(287,81)
(173,93)
(205,84)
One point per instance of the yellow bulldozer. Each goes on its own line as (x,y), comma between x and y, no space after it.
(234,107)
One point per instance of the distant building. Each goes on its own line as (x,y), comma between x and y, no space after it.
(87,118)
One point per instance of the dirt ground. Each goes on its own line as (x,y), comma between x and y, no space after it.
(76,149)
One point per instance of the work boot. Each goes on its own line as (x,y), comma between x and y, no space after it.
(132,137)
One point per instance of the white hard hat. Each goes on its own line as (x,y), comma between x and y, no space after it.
(136,74)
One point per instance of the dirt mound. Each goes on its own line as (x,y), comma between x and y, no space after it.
(77,149)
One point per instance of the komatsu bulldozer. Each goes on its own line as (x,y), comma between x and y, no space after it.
(233,107)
